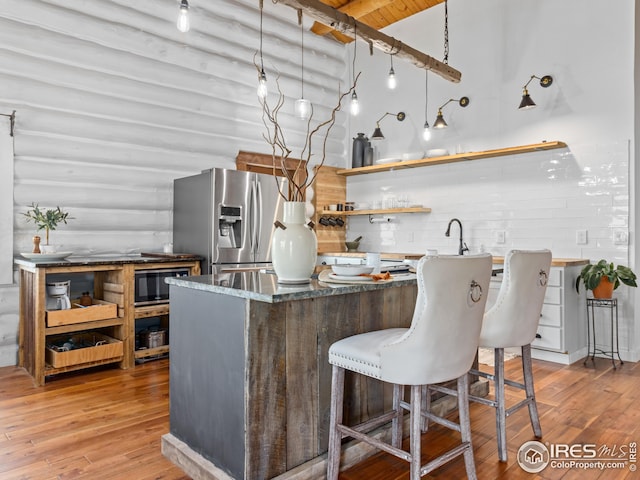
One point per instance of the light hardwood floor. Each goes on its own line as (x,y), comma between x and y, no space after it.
(107,425)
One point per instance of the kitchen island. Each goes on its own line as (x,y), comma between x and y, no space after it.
(250,380)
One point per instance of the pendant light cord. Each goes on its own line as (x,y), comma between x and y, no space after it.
(426,97)
(446,33)
(355,52)
(261,61)
(301,52)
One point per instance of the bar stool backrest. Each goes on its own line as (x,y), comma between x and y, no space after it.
(442,341)
(513,319)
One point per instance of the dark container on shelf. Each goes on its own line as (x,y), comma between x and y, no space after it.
(368,155)
(360,144)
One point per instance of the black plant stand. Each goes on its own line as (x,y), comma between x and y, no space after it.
(612,305)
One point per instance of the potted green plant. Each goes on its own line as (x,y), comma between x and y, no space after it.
(603,278)
(46,219)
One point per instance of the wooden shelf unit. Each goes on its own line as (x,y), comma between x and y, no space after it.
(459,157)
(110,279)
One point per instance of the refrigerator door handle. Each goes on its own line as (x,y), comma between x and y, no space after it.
(258,208)
(253,217)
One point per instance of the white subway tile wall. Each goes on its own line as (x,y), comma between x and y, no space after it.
(539,200)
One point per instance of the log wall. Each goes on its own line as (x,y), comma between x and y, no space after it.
(113,103)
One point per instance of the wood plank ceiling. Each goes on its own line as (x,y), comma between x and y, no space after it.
(375,13)
(347,26)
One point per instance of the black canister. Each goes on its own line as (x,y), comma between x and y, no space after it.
(359,146)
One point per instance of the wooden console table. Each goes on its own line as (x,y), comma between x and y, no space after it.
(112,279)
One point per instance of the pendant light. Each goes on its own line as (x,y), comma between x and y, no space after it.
(426,133)
(183,17)
(392,82)
(302,106)
(262,77)
(354,108)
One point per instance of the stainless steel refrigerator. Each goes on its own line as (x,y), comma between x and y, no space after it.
(226,216)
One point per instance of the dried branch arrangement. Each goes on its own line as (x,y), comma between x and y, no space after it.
(298,178)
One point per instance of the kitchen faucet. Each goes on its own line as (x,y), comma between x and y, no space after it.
(463,246)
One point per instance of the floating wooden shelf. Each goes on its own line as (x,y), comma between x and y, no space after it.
(460,157)
(378,211)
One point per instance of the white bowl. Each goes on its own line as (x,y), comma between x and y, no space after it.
(412,156)
(437,152)
(351,270)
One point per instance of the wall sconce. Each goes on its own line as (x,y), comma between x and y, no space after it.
(377,133)
(440,123)
(526,103)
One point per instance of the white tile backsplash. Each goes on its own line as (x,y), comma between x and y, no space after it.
(538,199)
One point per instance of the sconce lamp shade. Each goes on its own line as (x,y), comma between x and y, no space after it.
(377,133)
(527,102)
(440,123)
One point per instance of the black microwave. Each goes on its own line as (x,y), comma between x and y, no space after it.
(150,286)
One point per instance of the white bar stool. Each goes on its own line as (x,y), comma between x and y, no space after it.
(439,346)
(513,322)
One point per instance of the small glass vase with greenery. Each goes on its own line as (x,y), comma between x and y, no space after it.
(46,219)
(603,278)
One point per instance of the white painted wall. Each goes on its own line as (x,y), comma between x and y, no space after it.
(539,200)
(113,103)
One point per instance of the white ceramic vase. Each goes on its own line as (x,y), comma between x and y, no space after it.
(294,249)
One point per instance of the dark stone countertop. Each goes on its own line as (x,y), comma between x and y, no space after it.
(106,259)
(264,287)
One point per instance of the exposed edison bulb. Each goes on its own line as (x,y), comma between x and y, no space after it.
(355,106)
(262,85)
(183,17)
(303,109)
(392,82)
(426,133)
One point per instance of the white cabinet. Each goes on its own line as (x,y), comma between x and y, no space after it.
(562,330)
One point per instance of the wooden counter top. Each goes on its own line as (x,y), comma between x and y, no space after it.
(555,262)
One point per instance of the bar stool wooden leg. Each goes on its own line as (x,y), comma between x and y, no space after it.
(416,423)
(396,423)
(501,411)
(527,371)
(335,437)
(426,407)
(465,425)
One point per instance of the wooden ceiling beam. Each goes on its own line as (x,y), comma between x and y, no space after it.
(346,24)
(356,9)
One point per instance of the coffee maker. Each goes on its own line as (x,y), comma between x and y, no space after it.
(58,295)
